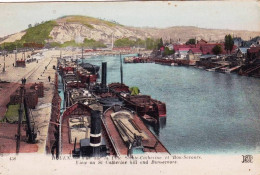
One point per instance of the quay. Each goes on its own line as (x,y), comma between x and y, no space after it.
(34,72)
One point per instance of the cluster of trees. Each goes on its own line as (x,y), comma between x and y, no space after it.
(10,46)
(37,34)
(167,51)
(217,49)
(229,43)
(89,43)
(191,41)
(36,24)
(148,43)
(40,33)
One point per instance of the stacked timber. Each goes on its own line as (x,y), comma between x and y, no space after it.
(39,87)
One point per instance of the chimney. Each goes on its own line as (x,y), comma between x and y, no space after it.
(95,132)
(104,75)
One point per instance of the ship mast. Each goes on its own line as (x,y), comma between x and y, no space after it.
(121,69)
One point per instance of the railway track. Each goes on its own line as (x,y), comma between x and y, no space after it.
(30,73)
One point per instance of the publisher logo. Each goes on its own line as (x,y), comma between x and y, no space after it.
(247,159)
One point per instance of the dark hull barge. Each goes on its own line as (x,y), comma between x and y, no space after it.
(151,110)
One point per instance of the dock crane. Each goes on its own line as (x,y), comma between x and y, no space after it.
(30,131)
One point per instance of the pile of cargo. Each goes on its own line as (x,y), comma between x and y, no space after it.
(31,98)
(39,89)
(31,95)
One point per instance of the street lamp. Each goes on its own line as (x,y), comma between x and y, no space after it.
(4,58)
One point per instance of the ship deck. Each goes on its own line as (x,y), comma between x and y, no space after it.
(67,147)
(119,143)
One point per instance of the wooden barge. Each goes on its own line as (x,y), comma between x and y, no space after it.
(128,133)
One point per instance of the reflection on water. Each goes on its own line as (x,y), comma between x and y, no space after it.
(207,112)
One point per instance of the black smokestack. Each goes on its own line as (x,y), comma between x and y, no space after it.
(121,70)
(104,75)
(95,132)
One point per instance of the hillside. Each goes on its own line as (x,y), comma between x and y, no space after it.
(66,29)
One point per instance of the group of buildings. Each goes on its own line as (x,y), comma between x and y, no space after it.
(245,55)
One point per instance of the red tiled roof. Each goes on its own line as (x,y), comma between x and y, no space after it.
(204,48)
(254,49)
(177,47)
(207,48)
(184,49)
(196,50)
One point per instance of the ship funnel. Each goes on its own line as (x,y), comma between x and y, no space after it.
(95,132)
(104,75)
(121,70)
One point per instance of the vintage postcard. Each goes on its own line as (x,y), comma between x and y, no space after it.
(130,87)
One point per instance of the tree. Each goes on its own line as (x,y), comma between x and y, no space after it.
(217,49)
(191,41)
(160,44)
(124,42)
(229,43)
(167,51)
(30,25)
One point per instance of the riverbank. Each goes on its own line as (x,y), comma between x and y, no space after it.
(34,72)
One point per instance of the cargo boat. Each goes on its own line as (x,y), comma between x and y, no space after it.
(137,59)
(82,74)
(81,95)
(90,67)
(174,62)
(82,134)
(146,107)
(128,133)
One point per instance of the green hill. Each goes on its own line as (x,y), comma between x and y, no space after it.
(86,20)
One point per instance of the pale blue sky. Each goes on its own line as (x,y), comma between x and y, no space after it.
(238,15)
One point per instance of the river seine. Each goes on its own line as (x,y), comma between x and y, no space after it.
(207,112)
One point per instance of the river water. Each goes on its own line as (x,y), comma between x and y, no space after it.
(207,112)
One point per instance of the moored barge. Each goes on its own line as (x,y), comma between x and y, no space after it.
(128,133)
(151,110)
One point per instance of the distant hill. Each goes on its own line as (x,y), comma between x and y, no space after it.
(68,28)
